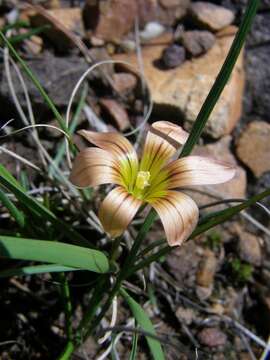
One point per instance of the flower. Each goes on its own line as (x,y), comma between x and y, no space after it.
(150,180)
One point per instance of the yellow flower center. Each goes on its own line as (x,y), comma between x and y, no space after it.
(142,179)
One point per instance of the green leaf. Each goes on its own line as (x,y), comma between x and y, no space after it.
(146,324)
(36,269)
(133,353)
(53,252)
(222,78)
(14,212)
(7,180)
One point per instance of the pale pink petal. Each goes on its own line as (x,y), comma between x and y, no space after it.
(113,142)
(171,132)
(162,141)
(198,170)
(94,166)
(117,211)
(178,214)
(118,146)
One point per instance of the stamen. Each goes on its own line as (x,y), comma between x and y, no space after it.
(142,179)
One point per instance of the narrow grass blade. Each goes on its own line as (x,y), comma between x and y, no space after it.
(36,269)
(146,324)
(133,353)
(27,201)
(53,252)
(62,148)
(14,212)
(222,77)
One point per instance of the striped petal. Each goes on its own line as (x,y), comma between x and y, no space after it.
(120,148)
(117,211)
(179,216)
(94,166)
(198,170)
(162,141)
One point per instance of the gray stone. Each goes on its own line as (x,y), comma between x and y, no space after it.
(57,75)
(197,42)
(173,56)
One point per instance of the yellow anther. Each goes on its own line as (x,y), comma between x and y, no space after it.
(142,179)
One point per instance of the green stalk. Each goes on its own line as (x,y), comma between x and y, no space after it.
(65,292)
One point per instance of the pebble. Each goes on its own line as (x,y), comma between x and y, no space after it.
(173,56)
(212,337)
(197,42)
(249,248)
(151,30)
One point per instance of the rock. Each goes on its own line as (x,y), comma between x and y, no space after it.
(253,147)
(57,75)
(173,56)
(117,113)
(124,82)
(258,81)
(183,263)
(51,4)
(235,188)
(197,42)
(59,20)
(212,337)
(34,44)
(258,75)
(203,293)
(210,16)
(230,30)
(151,31)
(185,315)
(186,87)
(109,20)
(166,12)
(15,166)
(165,39)
(249,248)
(207,269)
(260,33)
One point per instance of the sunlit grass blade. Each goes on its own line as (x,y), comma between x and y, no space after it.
(53,252)
(36,269)
(222,77)
(146,324)
(27,201)
(205,224)
(14,212)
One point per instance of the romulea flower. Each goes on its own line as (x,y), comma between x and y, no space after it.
(150,180)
